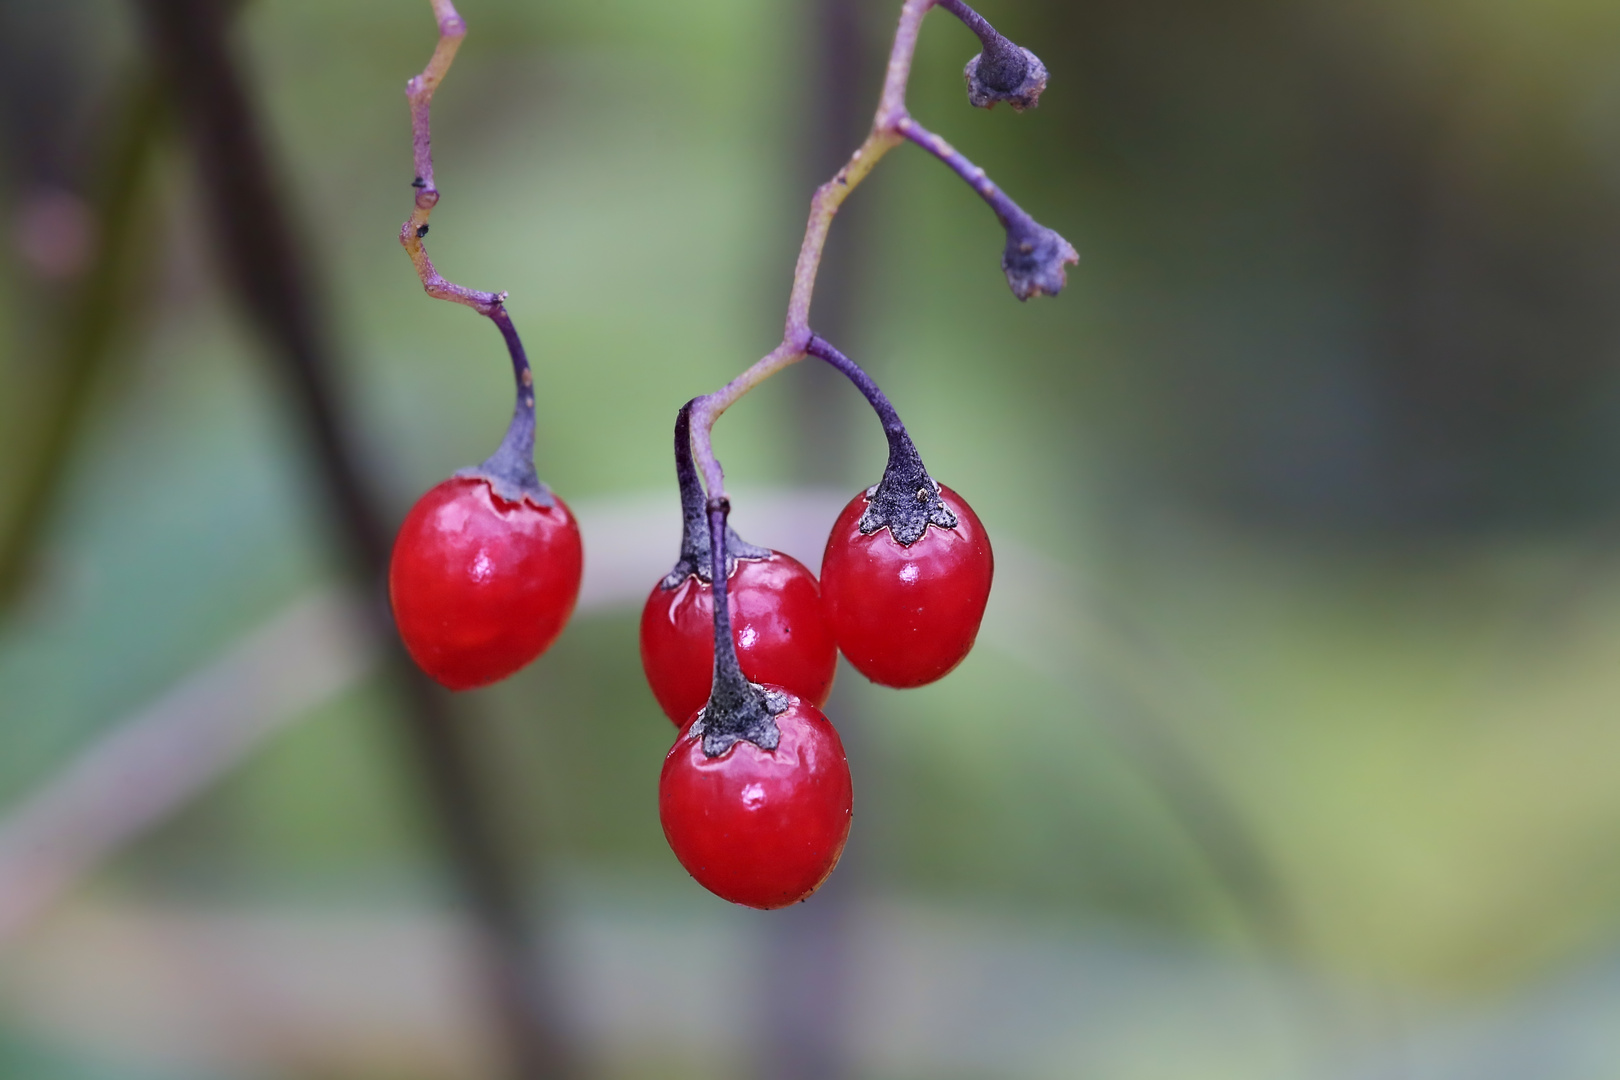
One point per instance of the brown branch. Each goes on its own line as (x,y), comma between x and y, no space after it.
(87,332)
(419,92)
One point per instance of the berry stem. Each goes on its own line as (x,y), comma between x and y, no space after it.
(1005,209)
(907,499)
(729,684)
(737,709)
(822,349)
(510,470)
(694,556)
(891,125)
(419,92)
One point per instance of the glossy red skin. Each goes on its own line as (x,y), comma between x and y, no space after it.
(762,828)
(905,616)
(776,618)
(481,586)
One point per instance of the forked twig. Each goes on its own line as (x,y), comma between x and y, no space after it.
(1034,257)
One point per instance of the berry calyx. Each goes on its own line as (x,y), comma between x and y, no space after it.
(480,585)
(778,629)
(759,827)
(1003,71)
(905,615)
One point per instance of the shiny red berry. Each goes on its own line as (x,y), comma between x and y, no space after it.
(776,620)
(757,827)
(905,616)
(481,586)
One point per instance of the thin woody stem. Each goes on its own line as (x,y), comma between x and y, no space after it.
(694,556)
(419,91)
(975,22)
(822,349)
(906,499)
(891,125)
(824,206)
(730,687)
(1007,212)
(510,470)
(737,710)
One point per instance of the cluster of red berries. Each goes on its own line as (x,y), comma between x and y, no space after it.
(739,644)
(759,815)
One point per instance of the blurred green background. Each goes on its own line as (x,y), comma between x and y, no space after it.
(1290,746)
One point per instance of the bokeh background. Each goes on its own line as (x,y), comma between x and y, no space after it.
(1290,745)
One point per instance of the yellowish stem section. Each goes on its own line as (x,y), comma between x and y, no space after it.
(884,136)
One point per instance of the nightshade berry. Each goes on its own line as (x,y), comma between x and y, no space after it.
(906,614)
(907,570)
(481,586)
(759,827)
(486,567)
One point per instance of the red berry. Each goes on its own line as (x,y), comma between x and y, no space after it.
(782,637)
(757,827)
(481,586)
(905,616)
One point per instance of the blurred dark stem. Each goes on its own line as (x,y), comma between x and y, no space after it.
(276,283)
(87,332)
(843,78)
(809,963)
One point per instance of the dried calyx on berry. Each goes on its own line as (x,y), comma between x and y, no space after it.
(1004,71)
(1034,258)
(510,470)
(694,556)
(738,710)
(907,500)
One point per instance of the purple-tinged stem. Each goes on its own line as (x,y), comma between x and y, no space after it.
(729,682)
(694,554)
(823,208)
(1034,256)
(1006,211)
(906,500)
(510,469)
(975,22)
(822,349)
(419,92)
(737,710)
